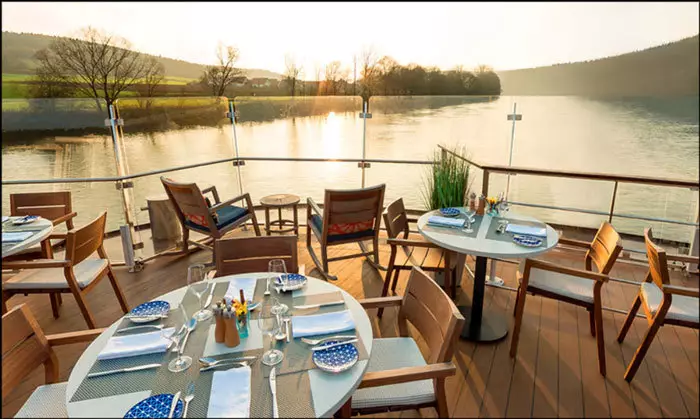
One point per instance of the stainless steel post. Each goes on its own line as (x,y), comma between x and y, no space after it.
(232,116)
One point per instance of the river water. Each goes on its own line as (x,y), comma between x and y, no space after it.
(642,136)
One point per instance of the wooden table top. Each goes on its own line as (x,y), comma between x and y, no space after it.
(279,200)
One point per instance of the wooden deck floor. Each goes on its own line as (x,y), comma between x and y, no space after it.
(554,374)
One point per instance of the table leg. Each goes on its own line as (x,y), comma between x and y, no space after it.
(481,326)
(296,220)
(267,220)
(279,214)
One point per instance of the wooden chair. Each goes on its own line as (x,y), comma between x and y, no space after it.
(574,286)
(349,216)
(54,206)
(663,303)
(215,221)
(396,222)
(24,348)
(252,254)
(77,274)
(398,377)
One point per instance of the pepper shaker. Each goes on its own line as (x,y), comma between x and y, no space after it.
(232,338)
(220,328)
(472,202)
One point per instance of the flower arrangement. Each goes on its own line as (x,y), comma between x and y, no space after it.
(495,204)
(241,310)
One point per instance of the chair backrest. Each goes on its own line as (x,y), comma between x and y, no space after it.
(605,249)
(49,205)
(430,310)
(396,220)
(252,254)
(352,211)
(84,241)
(658,265)
(24,348)
(189,203)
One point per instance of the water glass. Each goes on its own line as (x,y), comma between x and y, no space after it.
(268,323)
(199,285)
(181,363)
(278,269)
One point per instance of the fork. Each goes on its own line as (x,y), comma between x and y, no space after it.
(189,395)
(317,341)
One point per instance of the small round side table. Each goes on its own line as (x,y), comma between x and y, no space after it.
(280,201)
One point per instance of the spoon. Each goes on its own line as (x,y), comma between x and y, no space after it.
(209,362)
(190,327)
(189,395)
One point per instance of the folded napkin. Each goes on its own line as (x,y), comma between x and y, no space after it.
(16,237)
(5,218)
(230,394)
(137,344)
(446,222)
(246,284)
(321,324)
(527,230)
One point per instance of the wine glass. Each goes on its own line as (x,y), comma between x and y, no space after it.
(180,363)
(278,269)
(198,285)
(268,323)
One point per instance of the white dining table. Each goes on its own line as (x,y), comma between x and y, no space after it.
(329,391)
(41,228)
(481,325)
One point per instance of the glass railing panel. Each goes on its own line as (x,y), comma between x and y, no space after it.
(307,126)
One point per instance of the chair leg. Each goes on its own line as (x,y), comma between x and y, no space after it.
(80,299)
(397,272)
(630,318)
(375,250)
(256,227)
(515,307)
(345,410)
(324,259)
(117,290)
(519,309)
(591,321)
(387,279)
(441,398)
(185,239)
(5,296)
(54,304)
(59,298)
(643,348)
(600,335)
(322,267)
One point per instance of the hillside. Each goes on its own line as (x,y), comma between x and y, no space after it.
(665,70)
(18,51)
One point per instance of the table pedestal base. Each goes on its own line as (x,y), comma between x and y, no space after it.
(494,281)
(493,326)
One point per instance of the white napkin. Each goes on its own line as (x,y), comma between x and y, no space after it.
(446,222)
(230,394)
(321,324)
(136,344)
(16,237)
(248,286)
(527,230)
(5,218)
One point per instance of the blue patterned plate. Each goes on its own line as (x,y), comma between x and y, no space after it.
(140,314)
(294,282)
(157,406)
(336,359)
(27,219)
(527,241)
(449,212)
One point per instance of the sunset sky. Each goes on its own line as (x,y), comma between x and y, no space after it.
(503,35)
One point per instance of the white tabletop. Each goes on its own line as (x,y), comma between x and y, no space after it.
(479,245)
(44,227)
(330,391)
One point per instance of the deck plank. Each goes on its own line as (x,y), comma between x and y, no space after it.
(545,400)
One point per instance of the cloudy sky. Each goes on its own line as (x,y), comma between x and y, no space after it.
(503,35)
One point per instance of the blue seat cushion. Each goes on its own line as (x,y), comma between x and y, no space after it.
(226,216)
(317,221)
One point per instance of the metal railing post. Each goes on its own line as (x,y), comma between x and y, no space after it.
(485,183)
(231,114)
(364,115)
(612,203)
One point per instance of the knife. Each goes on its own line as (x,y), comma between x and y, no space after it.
(173,405)
(211,296)
(138,368)
(147,326)
(273,390)
(225,364)
(332,303)
(333,345)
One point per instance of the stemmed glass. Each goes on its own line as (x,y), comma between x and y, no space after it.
(277,268)
(469,215)
(198,285)
(269,325)
(180,363)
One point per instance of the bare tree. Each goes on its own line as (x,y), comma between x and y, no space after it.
(220,76)
(154,77)
(317,68)
(332,76)
(354,75)
(95,64)
(49,85)
(291,72)
(368,71)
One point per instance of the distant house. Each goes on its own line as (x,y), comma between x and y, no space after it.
(260,82)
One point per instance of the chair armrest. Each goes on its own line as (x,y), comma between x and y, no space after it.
(408,374)
(412,243)
(64,218)
(676,290)
(368,303)
(575,243)
(74,337)
(57,236)
(36,264)
(683,258)
(552,267)
(220,205)
(214,192)
(312,205)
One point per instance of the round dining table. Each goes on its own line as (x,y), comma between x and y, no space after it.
(482,325)
(41,228)
(329,391)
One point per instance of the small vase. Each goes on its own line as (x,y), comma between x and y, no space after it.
(242,324)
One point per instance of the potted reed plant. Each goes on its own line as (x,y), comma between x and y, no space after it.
(447,182)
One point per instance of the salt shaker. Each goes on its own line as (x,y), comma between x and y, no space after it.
(472,202)
(220,328)
(482,205)
(232,339)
